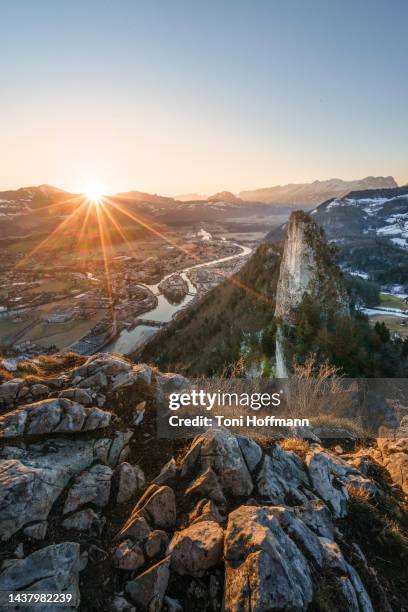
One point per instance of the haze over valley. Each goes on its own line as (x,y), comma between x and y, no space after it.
(108,273)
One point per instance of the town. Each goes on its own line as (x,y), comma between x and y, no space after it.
(83,302)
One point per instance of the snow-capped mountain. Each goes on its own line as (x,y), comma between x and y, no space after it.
(307,195)
(372,213)
(24,200)
(370,230)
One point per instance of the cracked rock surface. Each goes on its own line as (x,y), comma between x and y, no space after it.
(92,502)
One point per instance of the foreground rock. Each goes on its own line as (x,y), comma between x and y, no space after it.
(157,506)
(54,569)
(31,483)
(271,557)
(147,590)
(330,477)
(228,523)
(196,548)
(264,568)
(283,477)
(49,416)
(92,486)
(220,451)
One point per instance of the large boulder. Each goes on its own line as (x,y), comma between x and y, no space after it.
(157,506)
(30,484)
(271,556)
(264,568)
(331,477)
(91,486)
(53,569)
(196,548)
(219,450)
(148,589)
(282,477)
(59,415)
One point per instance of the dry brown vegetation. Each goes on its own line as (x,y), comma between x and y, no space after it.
(297,445)
(319,392)
(339,426)
(318,388)
(382,519)
(43,366)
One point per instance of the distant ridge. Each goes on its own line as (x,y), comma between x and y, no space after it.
(316,192)
(370,230)
(190,197)
(224,196)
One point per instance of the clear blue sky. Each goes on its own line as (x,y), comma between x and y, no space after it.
(178,96)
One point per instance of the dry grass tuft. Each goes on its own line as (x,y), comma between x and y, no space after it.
(5,375)
(337,424)
(297,445)
(317,388)
(44,366)
(49,365)
(359,495)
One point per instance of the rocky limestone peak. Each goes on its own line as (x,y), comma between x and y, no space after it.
(307,269)
(93,503)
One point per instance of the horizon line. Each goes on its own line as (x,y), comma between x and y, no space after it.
(400,184)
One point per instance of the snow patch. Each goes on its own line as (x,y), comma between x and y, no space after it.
(401,242)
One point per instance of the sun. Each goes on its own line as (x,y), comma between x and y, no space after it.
(94,194)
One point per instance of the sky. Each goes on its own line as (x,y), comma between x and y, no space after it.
(179,96)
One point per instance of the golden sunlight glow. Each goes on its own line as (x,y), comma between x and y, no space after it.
(94,194)
(111,216)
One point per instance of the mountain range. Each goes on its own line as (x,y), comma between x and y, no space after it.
(22,201)
(310,194)
(370,231)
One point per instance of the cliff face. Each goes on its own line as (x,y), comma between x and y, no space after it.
(307,269)
(363,222)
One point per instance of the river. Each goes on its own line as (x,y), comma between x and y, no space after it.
(129,339)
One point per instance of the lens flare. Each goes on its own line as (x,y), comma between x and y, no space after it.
(94,194)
